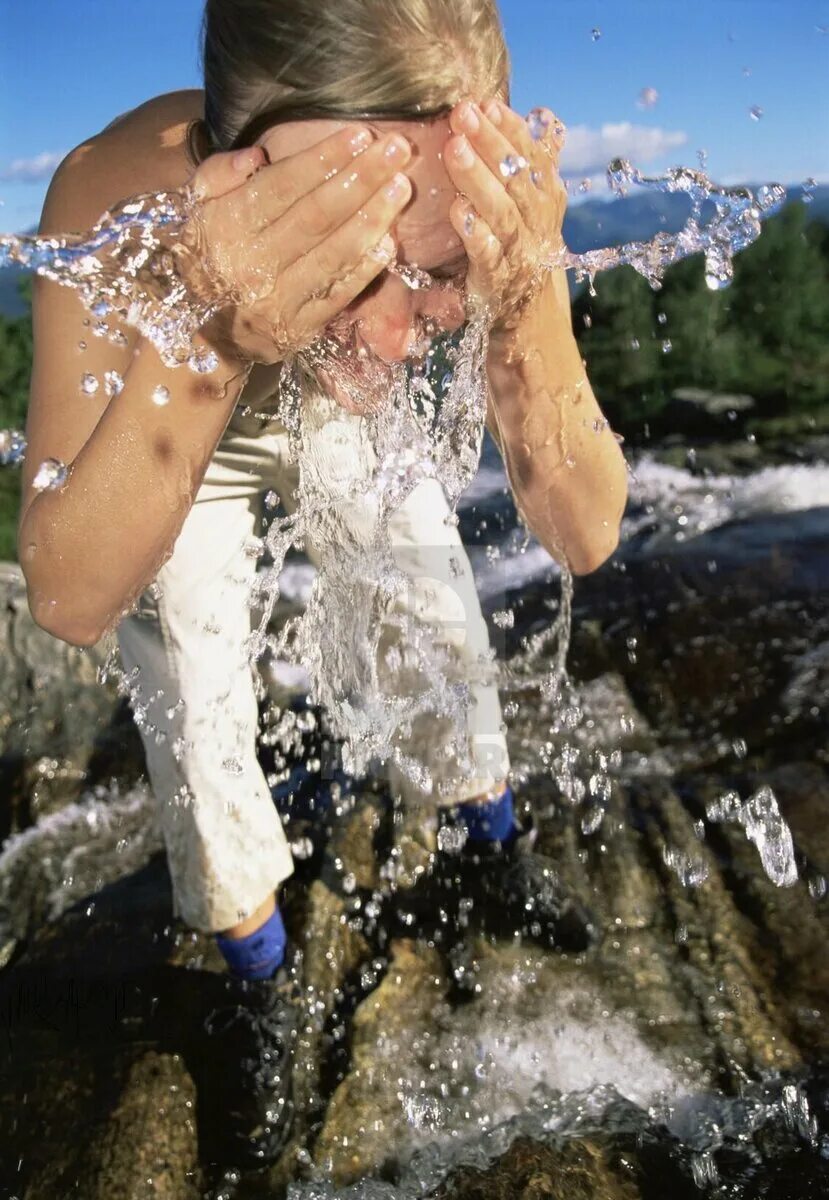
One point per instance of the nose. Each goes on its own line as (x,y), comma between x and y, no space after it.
(386,319)
(394,318)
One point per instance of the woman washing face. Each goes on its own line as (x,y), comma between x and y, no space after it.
(341,153)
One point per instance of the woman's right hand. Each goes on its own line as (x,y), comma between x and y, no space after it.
(292,243)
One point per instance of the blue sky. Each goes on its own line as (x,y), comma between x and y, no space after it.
(67,67)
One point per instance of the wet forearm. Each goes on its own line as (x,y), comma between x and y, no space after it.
(89,549)
(566,469)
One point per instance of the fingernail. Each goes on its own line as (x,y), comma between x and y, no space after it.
(243,160)
(463,152)
(468,117)
(398,147)
(360,139)
(384,250)
(398,187)
(494,112)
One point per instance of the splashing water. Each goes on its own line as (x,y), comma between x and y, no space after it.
(764,826)
(357,594)
(129,267)
(735,225)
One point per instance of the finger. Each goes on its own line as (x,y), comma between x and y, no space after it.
(474,179)
(506,163)
(339,255)
(548,132)
(341,290)
(318,214)
(281,184)
(222,173)
(483,249)
(531,137)
(512,125)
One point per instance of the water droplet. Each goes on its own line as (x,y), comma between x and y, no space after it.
(81,345)
(538,123)
(716,281)
(634,343)
(12,447)
(469,223)
(504,618)
(755,112)
(512,165)
(595,34)
(113,383)
(451,839)
(89,384)
(662,318)
(204,364)
(271,500)
(161,395)
(586,185)
(648,97)
(667,346)
(808,186)
(51,475)
(233,766)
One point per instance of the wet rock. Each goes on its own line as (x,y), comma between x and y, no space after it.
(367,1116)
(59,728)
(575,1171)
(100,1028)
(147,1147)
(697,411)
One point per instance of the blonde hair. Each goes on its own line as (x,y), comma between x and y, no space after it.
(403,58)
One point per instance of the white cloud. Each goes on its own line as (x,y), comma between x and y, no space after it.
(587,152)
(31,170)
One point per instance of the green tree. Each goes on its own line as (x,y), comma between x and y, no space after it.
(767,334)
(15,373)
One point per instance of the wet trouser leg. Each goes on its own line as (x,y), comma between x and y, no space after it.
(225,842)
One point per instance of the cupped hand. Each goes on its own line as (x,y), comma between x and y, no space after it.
(511,206)
(283,248)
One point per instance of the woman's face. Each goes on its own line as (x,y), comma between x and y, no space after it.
(391,319)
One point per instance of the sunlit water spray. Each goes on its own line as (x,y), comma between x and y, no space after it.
(127,270)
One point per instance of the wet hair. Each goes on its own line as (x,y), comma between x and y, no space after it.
(268,61)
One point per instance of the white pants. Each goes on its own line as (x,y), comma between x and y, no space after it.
(225,842)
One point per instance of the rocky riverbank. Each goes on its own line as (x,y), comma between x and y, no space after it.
(687,1046)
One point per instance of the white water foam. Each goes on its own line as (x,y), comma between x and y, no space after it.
(676,500)
(72,853)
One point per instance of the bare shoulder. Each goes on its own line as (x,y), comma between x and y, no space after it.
(142,150)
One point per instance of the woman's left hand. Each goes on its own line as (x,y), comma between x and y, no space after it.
(511,205)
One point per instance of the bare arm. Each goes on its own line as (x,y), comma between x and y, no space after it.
(565,466)
(88,550)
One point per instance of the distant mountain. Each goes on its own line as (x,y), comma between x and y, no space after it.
(637,217)
(587,225)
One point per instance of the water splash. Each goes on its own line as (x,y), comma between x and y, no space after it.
(764,826)
(734,226)
(129,266)
(132,266)
(359,591)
